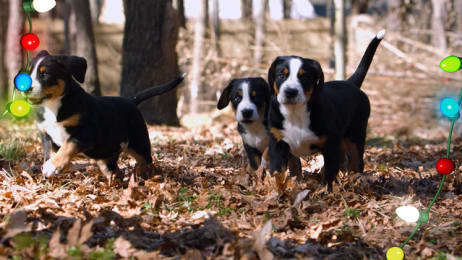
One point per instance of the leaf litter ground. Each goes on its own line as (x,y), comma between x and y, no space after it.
(203,204)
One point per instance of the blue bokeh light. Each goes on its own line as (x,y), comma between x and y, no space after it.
(23,81)
(449,107)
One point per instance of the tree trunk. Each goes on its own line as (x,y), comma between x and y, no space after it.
(286,6)
(246,10)
(3,71)
(149,57)
(216,27)
(64,12)
(339,39)
(438,37)
(259,32)
(95,9)
(85,43)
(198,53)
(359,6)
(331,14)
(14,52)
(395,18)
(179,6)
(458,9)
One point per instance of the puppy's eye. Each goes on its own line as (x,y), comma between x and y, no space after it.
(282,76)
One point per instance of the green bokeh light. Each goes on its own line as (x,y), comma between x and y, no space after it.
(450,64)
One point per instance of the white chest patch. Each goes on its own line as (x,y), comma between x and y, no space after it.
(296,129)
(256,135)
(55,130)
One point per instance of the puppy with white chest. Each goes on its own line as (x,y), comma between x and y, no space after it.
(250,101)
(71,121)
(307,115)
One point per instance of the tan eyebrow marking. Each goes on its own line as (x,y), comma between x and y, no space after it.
(239,93)
(285,71)
(254,93)
(301,72)
(42,69)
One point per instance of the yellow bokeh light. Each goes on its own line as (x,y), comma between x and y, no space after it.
(395,253)
(19,108)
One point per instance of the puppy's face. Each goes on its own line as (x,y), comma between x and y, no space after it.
(248,96)
(50,75)
(294,80)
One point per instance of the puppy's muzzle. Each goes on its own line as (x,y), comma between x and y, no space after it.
(290,93)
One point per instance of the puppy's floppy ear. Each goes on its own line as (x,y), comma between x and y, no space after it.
(225,95)
(77,66)
(319,76)
(271,74)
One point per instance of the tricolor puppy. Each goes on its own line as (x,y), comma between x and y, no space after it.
(72,121)
(250,100)
(307,115)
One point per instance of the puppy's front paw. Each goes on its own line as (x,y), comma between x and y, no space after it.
(48,169)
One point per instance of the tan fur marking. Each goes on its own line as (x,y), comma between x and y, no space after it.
(301,72)
(277,133)
(239,93)
(265,155)
(254,93)
(72,120)
(257,160)
(276,90)
(42,69)
(285,71)
(64,155)
(55,90)
(308,93)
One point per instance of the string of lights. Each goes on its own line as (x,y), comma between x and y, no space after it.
(450,108)
(19,107)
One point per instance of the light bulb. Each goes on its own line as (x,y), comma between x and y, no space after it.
(408,213)
(43,6)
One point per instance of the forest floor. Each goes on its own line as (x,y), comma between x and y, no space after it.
(203,204)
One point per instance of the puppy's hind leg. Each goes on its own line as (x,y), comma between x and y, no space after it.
(110,168)
(295,167)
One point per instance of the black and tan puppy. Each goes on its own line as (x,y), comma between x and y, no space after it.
(250,101)
(72,121)
(307,115)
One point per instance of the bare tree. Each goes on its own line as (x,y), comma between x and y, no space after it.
(14,52)
(3,31)
(216,27)
(85,44)
(286,7)
(149,57)
(199,34)
(458,9)
(339,39)
(246,9)
(359,6)
(179,6)
(438,37)
(260,31)
(95,9)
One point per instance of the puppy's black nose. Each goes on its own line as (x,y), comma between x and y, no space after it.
(291,92)
(247,113)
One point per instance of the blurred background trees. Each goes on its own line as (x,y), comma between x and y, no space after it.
(217,40)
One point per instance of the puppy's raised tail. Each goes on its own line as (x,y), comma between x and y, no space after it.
(157,90)
(358,76)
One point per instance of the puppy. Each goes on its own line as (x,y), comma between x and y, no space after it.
(250,100)
(71,121)
(307,115)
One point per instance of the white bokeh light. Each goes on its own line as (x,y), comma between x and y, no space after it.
(408,213)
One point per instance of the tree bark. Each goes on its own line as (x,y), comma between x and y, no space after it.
(149,57)
(95,9)
(3,71)
(259,32)
(246,10)
(216,27)
(286,7)
(359,6)
(14,52)
(198,53)
(64,12)
(85,44)
(339,39)
(458,9)
(438,37)
(179,6)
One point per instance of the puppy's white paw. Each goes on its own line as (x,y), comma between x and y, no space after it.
(48,169)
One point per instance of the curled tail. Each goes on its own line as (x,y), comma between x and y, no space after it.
(361,71)
(157,90)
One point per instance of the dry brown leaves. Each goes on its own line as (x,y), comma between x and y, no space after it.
(203,204)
